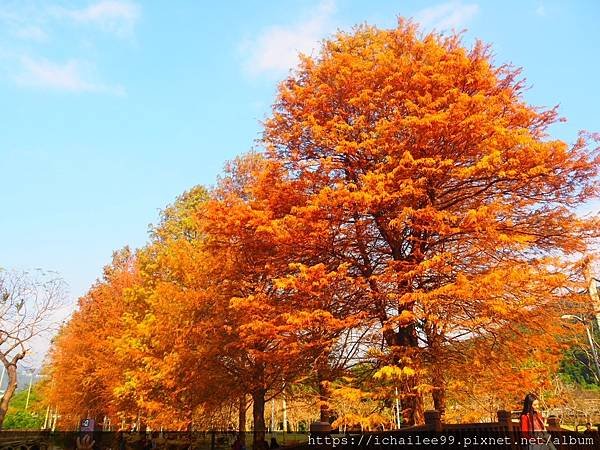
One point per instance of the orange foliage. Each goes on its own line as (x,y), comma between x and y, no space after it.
(406,190)
(429,178)
(82,370)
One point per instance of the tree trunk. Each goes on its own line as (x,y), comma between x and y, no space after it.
(324,393)
(439,400)
(11,387)
(439,390)
(258,415)
(404,342)
(242,417)
(324,396)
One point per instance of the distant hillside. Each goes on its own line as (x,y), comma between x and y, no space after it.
(23,378)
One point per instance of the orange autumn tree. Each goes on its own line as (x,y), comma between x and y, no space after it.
(174,344)
(145,340)
(210,311)
(164,370)
(432,181)
(82,369)
(267,338)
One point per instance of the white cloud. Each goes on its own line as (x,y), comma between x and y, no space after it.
(276,48)
(28,21)
(115,16)
(70,76)
(31,33)
(22,22)
(446,16)
(540,10)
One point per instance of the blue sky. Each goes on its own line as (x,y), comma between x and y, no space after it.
(113,107)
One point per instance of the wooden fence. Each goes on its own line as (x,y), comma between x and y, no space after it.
(505,433)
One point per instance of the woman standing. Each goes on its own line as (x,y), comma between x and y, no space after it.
(532,424)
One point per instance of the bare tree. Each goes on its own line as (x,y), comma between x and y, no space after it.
(28,303)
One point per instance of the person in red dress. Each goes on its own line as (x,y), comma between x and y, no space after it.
(531,420)
(532,423)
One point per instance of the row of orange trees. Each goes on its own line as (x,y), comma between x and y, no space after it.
(409,225)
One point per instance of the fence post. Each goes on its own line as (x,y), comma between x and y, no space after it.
(504,418)
(433,420)
(514,431)
(554,424)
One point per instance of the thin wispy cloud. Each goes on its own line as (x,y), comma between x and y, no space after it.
(540,10)
(31,33)
(447,16)
(71,76)
(115,16)
(22,22)
(275,49)
(27,24)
